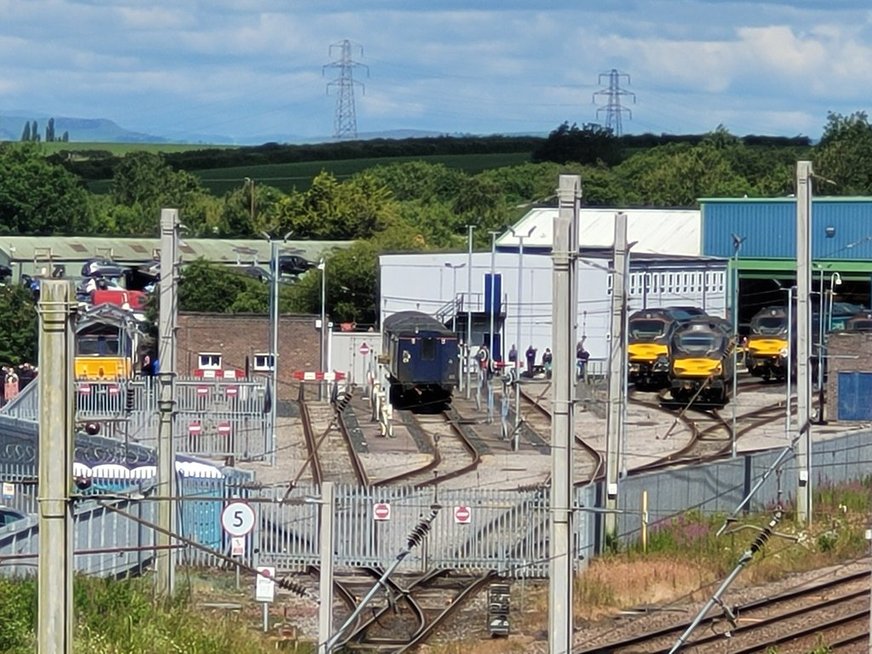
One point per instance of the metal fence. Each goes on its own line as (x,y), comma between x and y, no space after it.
(213,417)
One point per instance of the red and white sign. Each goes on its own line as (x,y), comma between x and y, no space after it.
(114,389)
(224,428)
(195,429)
(318,375)
(381,511)
(265,585)
(237,546)
(462,515)
(202,390)
(364,349)
(231,391)
(85,389)
(213,373)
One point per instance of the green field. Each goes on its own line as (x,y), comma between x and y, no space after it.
(290,176)
(120,149)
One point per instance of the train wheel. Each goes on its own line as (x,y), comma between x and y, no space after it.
(395,394)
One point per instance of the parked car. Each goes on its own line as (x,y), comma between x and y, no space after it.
(8,515)
(102,268)
(293,264)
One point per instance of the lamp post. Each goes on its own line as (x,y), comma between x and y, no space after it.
(274,332)
(835,280)
(469,316)
(734,301)
(322,266)
(519,347)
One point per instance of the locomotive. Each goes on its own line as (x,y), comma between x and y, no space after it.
(107,338)
(422,360)
(768,346)
(701,361)
(648,335)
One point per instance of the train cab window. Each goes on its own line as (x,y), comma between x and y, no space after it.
(428,349)
(263,362)
(209,361)
(97,346)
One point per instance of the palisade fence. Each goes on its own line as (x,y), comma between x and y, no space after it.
(213,417)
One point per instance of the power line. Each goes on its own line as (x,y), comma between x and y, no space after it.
(345,122)
(613,108)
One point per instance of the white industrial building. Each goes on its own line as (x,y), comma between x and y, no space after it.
(665,269)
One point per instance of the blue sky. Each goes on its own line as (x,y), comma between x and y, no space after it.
(251,68)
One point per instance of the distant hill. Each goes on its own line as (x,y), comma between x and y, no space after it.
(103,130)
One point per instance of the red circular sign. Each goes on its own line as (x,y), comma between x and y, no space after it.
(364,349)
(381,511)
(462,514)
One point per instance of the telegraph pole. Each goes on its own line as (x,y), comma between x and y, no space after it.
(617,363)
(563,331)
(166,472)
(56,447)
(803,340)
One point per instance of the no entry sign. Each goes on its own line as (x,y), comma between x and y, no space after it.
(364,349)
(462,515)
(381,511)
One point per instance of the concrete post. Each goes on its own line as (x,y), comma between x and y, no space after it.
(325,586)
(803,341)
(617,363)
(563,331)
(56,447)
(166,472)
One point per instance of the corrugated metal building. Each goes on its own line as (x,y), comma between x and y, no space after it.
(841,246)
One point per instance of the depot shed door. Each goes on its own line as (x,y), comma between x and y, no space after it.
(855,396)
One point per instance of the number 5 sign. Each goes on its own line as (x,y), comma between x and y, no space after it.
(237,518)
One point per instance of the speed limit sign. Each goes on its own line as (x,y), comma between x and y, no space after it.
(237,518)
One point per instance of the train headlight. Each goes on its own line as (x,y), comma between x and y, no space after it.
(784,352)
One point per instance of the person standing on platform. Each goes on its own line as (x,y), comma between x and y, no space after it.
(531,360)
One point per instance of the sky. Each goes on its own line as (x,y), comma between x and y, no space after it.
(249,69)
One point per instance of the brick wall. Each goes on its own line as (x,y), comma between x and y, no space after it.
(846,352)
(237,336)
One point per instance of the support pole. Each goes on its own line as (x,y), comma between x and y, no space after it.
(325,587)
(468,348)
(166,473)
(617,363)
(563,331)
(56,446)
(803,340)
(274,351)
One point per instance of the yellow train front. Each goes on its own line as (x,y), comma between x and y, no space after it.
(701,361)
(648,333)
(105,344)
(767,349)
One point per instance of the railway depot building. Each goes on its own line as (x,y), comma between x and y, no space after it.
(666,268)
(730,246)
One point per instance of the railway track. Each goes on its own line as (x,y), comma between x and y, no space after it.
(795,621)
(410,609)
(455,452)
(588,464)
(332,456)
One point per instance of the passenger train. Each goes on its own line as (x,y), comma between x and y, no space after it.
(422,359)
(701,361)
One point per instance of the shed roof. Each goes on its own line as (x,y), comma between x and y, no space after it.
(140,250)
(656,231)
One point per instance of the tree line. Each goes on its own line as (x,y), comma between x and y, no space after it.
(413,205)
(30,133)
